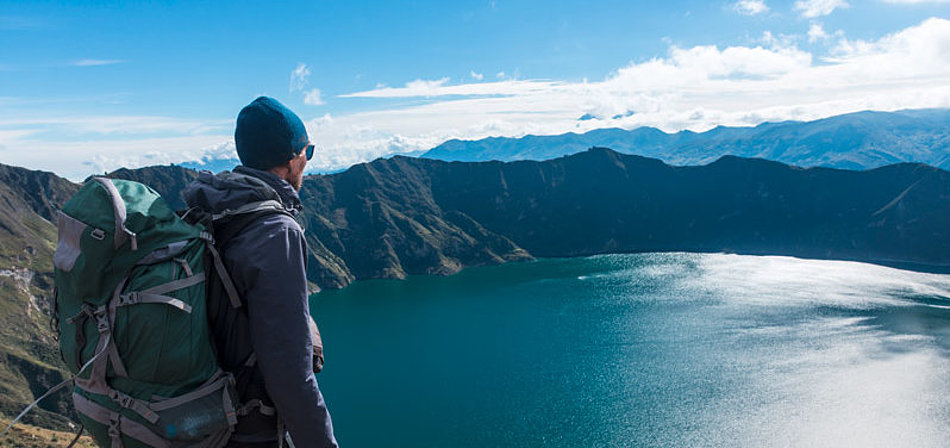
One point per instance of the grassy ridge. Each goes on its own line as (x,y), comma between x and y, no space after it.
(28,436)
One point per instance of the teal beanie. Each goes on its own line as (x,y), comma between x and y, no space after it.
(268,134)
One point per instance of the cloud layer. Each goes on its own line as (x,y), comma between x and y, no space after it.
(692,88)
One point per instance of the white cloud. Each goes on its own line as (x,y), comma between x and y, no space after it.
(818,8)
(917,50)
(750,7)
(299,77)
(501,75)
(816,32)
(417,88)
(437,88)
(916,1)
(222,151)
(114,126)
(76,147)
(786,41)
(423,86)
(477,76)
(77,159)
(96,62)
(300,82)
(313,98)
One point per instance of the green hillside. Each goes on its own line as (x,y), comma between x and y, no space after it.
(29,361)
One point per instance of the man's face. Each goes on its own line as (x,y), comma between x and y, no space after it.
(297,165)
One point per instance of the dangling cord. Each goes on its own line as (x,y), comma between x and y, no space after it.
(55,388)
(34,403)
(76,439)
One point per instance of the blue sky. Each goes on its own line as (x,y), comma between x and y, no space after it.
(87,87)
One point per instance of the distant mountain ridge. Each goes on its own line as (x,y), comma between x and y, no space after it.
(402,216)
(860,140)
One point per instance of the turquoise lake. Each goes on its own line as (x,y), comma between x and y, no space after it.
(646,350)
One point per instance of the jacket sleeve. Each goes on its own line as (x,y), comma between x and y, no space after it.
(273,277)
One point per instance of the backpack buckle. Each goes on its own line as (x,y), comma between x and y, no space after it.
(102,324)
(114,432)
(99,312)
(98,234)
(102,319)
(122,399)
(128,299)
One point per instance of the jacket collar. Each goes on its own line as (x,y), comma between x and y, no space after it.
(288,196)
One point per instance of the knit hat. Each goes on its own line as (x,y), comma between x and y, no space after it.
(268,134)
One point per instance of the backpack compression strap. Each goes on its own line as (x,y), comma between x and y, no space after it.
(222,272)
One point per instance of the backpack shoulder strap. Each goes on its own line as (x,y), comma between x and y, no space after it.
(269,205)
(226,225)
(229,223)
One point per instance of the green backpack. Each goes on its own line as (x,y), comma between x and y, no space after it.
(132,305)
(133,323)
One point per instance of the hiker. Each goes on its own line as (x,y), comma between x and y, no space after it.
(266,259)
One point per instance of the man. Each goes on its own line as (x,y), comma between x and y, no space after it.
(270,347)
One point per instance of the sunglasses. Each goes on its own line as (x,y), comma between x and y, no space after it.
(309,150)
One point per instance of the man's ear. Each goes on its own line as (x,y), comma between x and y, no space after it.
(282,170)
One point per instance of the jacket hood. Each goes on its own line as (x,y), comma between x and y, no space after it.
(219,192)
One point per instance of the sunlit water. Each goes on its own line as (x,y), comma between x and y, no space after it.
(666,350)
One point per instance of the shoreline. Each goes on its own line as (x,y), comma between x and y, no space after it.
(911,266)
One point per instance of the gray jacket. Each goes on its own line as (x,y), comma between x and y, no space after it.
(267,262)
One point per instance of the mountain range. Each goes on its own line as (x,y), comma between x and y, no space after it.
(402,216)
(861,140)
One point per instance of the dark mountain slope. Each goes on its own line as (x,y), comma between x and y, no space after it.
(382,221)
(603,201)
(42,191)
